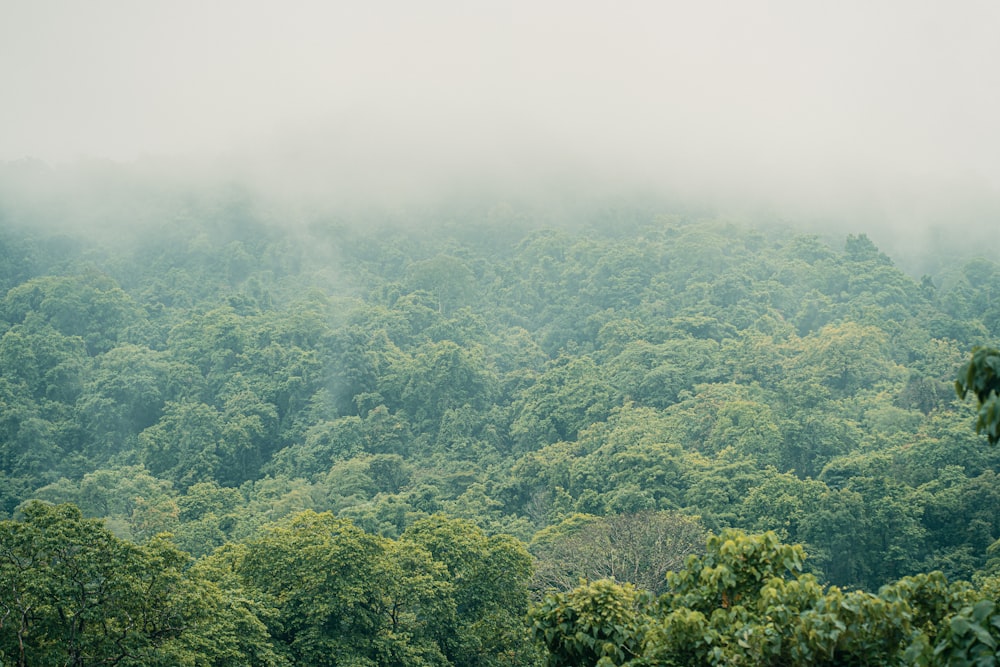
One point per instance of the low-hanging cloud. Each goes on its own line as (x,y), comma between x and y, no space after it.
(815,110)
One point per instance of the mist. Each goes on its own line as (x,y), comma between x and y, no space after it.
(836,116)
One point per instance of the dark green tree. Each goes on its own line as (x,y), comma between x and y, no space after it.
(71,593)
(981,376)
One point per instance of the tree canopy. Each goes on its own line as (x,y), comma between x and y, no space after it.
(299,438)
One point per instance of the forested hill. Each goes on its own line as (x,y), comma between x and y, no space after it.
(212,371)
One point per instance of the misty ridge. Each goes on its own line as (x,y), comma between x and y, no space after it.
(839,119)
(295,186)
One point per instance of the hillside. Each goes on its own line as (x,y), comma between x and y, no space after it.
(216,371)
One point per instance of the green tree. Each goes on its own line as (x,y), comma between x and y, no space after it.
(490,576)
(439,377)
(845,357)
(91,306)
(597,624)
(125,393)
(569,395)
(73,594)
(981,376)
(134,504)
(185,445)
(971,637)
(746,601)
(448,278)
(50,364)
(342,596)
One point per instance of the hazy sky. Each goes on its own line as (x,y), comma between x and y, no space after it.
(892,106)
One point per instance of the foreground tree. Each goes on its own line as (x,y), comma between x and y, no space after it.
(337,594)
(490,575)
(71,593)
(747,601)
(444,593)
(981,376)
(600,623)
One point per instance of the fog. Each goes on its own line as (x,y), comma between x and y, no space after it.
(853,114)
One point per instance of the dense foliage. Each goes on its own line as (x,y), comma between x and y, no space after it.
(981,376)
(748,602)
(343,436)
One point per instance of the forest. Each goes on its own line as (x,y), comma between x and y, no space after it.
(232,434)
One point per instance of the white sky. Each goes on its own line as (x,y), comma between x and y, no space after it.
(889,102)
